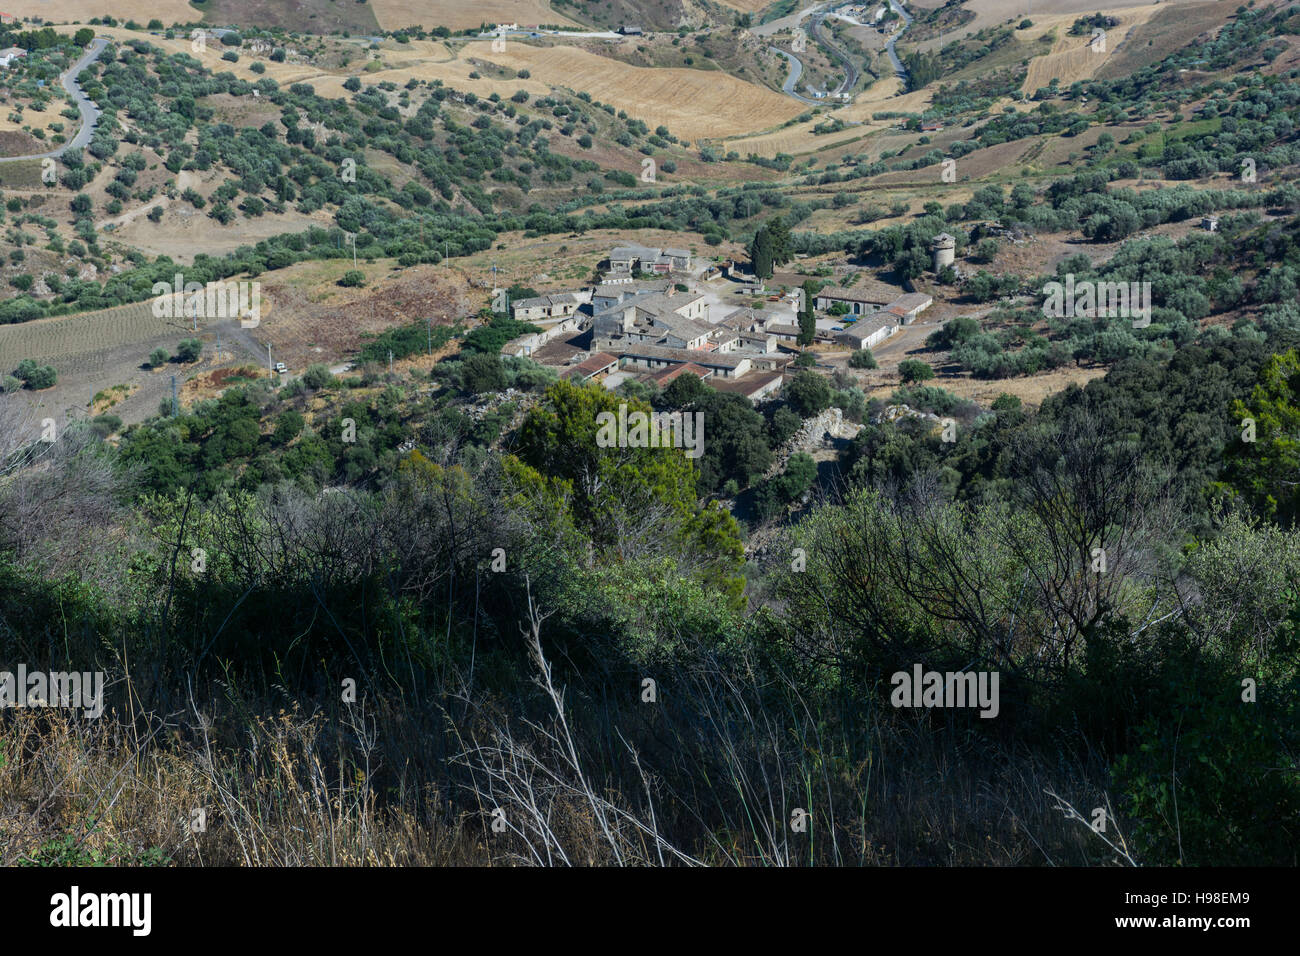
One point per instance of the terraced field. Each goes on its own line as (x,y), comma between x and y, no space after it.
(85,343)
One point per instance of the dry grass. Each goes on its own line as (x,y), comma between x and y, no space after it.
(1072,58)
(79,11)
(364,786)
(458,15)
(994,12)
(693,104)
(116,789)
(747,6)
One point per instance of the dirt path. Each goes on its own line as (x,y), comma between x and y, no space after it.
(185,179)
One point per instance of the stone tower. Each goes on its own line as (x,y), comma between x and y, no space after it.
(944,248)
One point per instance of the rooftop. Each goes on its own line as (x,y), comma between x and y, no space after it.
(662,353)
(667,375)
(595,364)
(857,294)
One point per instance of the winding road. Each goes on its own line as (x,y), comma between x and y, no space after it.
(89,111)
(889,47)
(796,71)
(816,15)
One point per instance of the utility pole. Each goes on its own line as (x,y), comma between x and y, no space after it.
(430,335)
(270,369)
(390,361)
(176,405)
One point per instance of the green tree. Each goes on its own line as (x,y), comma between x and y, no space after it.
(317,375)
(862,358)
(914,370)
(683,390)
(1264,470)
(613,486)
(482,373)
(809,393)
(807,321)
(760,253)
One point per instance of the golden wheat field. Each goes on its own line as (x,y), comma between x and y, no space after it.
(1072,58)
(72,11)
(693,104)
(992,12)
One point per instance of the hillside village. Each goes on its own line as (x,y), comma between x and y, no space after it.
(559,432)
(656,314)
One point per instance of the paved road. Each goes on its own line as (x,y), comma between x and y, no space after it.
(598,34)
(816,14)
(791,81)
(89,111)
(850,71)
(889,47)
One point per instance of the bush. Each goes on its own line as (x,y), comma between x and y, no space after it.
(105,425)
(914,370)
(318,376)
(353,278)
(862,358)
(158,357)
(189,350)
(809,393)
(773,495)
(482,373)
(42,376)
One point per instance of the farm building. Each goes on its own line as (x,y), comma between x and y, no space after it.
(658,356)
(629,259)
(858,301)
(783,332)
(530,342)
(613,291)
(11,53)
(647,317)
(682,333)
(524,345)
(663,378)
(909,306)
(624,260)
(1210,223)
(594,368)
(746,320)
(554,306)
(869,332)
(754,385)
